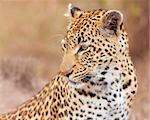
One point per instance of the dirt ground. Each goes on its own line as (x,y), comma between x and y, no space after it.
(30,50)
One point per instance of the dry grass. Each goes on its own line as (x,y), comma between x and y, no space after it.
(18,80)
(30,51)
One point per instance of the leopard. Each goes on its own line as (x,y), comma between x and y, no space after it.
(96,79)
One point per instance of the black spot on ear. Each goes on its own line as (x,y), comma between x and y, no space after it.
(73,10)
(121,26)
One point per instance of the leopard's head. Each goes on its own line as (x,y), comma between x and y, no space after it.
(92,42)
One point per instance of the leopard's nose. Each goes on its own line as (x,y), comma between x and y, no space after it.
(66,69)
(67,73)
(68,62)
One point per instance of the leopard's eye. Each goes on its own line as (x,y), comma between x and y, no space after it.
(82,48)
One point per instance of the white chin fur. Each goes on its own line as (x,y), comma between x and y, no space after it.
(78,85)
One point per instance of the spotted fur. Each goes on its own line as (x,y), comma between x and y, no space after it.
(96,81)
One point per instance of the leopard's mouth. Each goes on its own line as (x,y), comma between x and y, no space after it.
(73,82)
(69,73)
(77,83)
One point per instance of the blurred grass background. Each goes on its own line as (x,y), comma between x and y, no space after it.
(30,50)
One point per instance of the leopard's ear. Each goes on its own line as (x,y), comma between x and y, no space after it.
(111,21)
(73,11)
